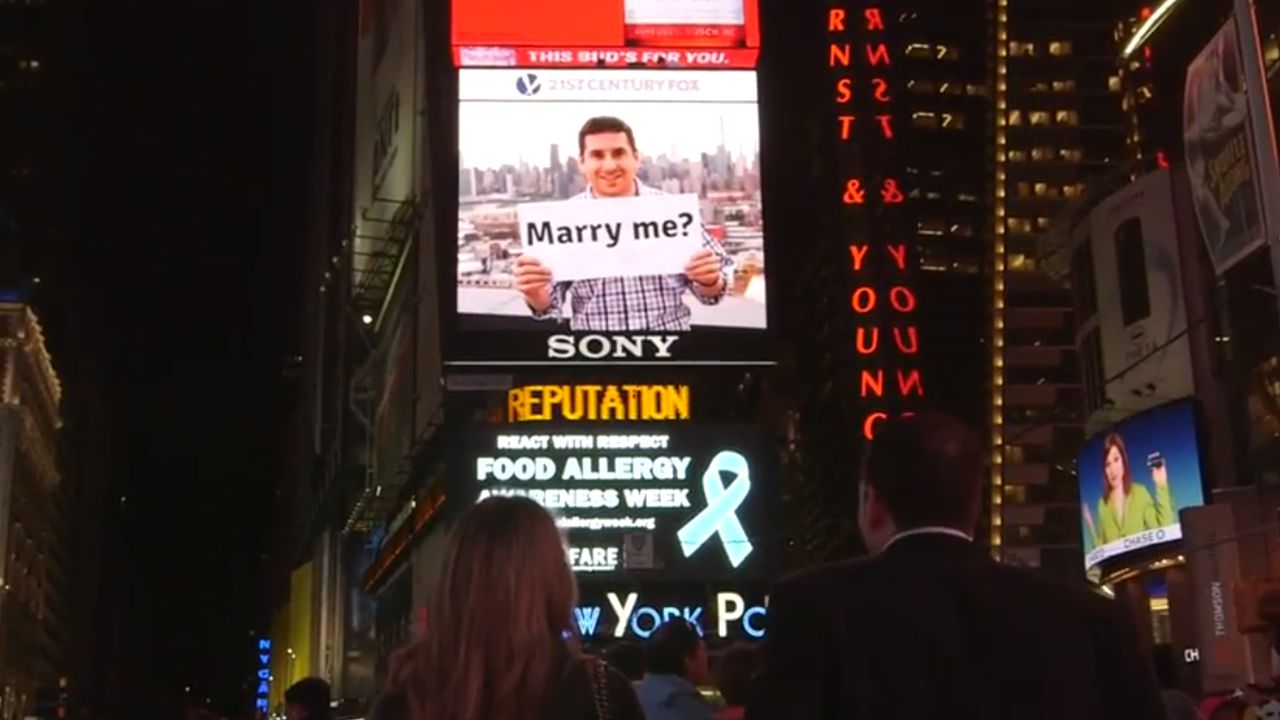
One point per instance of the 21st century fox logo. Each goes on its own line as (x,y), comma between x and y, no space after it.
(528,85)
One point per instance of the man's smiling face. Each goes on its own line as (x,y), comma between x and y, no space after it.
(609,164)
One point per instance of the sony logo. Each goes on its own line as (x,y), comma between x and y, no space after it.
(598,347)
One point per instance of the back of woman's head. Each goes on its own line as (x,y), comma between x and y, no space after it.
(493,640)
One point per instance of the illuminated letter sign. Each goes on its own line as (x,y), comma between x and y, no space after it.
(632,616)
(883,298)
(261,697)
(648,403)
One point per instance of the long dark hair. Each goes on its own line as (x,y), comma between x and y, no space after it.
(493,645)
(1115,441)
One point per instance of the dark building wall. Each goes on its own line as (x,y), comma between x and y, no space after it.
(940,159)
(1059,132)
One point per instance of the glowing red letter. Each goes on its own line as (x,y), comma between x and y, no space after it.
(877,54)
(863,300)
(842,53)
(899,253)
(874,20)
(886,125)
(869,425)
(844,90)
(874,383)
(912,336)
(857,252)
(908,381)
(902,299)
(846,126)
(860,342)
(881,92)
(835,20)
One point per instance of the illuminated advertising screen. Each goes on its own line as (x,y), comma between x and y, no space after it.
(606,33)
(609,199)
(1135,478)
(640,502)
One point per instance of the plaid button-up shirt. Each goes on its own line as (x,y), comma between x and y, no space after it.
(650,302)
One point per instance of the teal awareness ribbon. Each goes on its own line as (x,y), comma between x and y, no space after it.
(720,514)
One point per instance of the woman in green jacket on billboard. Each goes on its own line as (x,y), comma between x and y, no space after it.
(1126,508)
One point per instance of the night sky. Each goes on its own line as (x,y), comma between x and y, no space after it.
(196,124)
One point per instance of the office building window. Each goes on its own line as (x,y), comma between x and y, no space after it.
(1113,83)
(1039,117)
(1067,117)
(976,90)
(1045,190)
(924,119)
(1015,117)
(1072,191)
(1044,223)
(966,197)
(919,50)
(1024,189)
(1064,86)
(923,87)
(1022,49)
(947,52)
(953,121)
(1015,493)
(1021,262)
(1071,154)
(1018,225)
(1059,48)
(1042,154)
(932,229)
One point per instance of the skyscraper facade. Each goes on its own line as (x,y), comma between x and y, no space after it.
(1058,129)
(886,300)
(1004,113)
(34,606)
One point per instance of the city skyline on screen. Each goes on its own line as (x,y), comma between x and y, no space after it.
(489,140)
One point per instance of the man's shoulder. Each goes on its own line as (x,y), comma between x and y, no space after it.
(1050,593)
(825,576)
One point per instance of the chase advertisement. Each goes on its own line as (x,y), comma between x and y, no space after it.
(1134,480)
(640,502)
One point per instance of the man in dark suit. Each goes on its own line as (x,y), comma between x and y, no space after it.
(929,626)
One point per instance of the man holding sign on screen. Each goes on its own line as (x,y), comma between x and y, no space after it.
(626,260)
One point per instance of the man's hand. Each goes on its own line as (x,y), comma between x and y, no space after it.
(533,281)
(704,271)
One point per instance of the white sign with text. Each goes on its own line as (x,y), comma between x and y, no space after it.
(612,237)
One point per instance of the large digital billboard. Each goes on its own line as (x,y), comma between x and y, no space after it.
(1142,313)
(593,228)
(609,201)
(1135,478)
(605,33)
(640,502)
